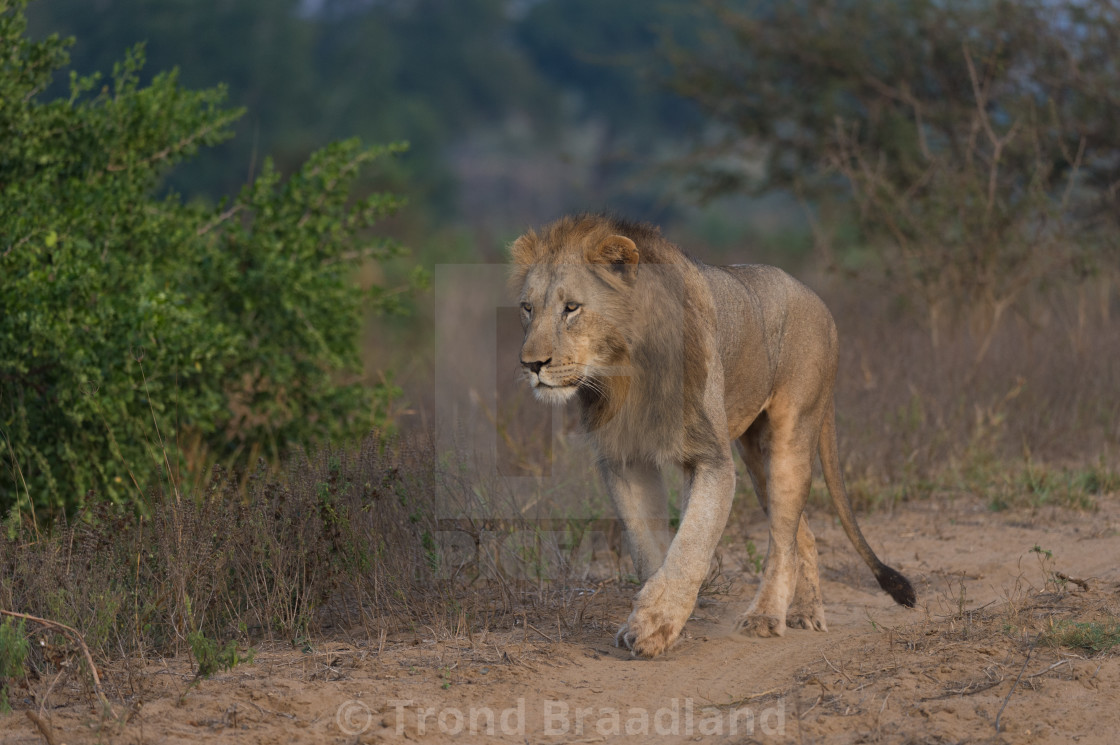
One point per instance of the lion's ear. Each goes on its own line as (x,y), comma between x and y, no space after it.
(523,251)
(618,251)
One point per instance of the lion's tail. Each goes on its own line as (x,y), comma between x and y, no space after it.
(891,580)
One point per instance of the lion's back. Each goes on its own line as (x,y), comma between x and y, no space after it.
(770,327)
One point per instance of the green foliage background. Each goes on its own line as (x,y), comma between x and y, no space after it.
(133,324)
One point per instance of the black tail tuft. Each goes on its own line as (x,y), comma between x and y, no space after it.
(897,586)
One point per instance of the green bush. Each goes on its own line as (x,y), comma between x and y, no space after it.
(212,658)
(134,326)
(13,656)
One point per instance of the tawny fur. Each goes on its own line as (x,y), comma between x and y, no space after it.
(672,361)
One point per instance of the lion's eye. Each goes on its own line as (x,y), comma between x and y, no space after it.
(526,308)
(571,307)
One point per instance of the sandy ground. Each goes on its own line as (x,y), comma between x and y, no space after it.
(970,664)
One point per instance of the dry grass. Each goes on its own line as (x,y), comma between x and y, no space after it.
(1037,420)
(963,660)
(370,541)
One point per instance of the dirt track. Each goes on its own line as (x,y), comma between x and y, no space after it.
(941,673)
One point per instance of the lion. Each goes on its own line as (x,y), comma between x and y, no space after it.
(672,361)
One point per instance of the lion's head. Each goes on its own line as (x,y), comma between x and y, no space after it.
(612,316)
(575,281)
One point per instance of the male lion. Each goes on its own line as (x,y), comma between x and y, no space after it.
(671,360)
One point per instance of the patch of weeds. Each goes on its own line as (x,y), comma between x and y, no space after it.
(1092,636)
(869,494)
(1062,488)
(998,502)
(211,657)
(866,494)
(980,471)
(1037,486)
(1050,577)
(13,657)
(1095,480)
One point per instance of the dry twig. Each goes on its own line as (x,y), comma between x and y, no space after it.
(1016,683)
(74,635)
(44,727)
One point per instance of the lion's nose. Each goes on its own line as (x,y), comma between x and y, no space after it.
(535,367)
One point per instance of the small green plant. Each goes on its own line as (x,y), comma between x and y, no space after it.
(13,657)
(211,657)
(1093,636)
(431,551)
(998,503)
(1050,577)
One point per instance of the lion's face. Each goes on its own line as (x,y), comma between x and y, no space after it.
(568,340)
(575,297)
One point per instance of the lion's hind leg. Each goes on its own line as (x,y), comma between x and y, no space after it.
(806,609)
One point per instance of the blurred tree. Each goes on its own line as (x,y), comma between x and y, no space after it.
(426,71)
(437,72)
(979,140)
(257,48)
(610,55)
(449,67)
(133,326)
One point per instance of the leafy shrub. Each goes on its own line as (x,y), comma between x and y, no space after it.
(211,657)
(13,654)
(126,315)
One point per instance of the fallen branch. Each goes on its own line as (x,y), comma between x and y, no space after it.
(546,636)
(43,726)
(1016,683)
(1074,580)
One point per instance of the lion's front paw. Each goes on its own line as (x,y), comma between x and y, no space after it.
(660,612)
(625,637)
(812,620)
(756,624)
(648,633)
